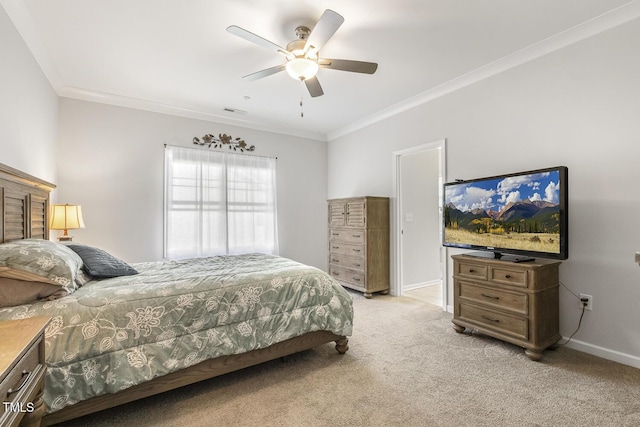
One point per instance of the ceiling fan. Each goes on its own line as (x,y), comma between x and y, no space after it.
(302,54)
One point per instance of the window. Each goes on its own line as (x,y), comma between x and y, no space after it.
(218,203)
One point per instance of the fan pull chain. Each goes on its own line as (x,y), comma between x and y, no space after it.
(301,97)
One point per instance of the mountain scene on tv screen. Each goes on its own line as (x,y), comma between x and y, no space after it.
(519,212)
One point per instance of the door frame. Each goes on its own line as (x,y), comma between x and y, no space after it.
(396,287)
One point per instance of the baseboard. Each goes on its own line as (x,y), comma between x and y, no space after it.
(605,353)
(421,285)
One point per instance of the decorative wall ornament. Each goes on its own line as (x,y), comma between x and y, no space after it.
(222,140)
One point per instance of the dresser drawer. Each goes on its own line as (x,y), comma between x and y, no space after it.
(514,326)
(347,275)
(346,249)
(22,382)
(341,260)
(347,236)
(510,301)
(475,271)
(506,276)
(28,363)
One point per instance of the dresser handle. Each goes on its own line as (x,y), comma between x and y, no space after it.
(335,260)
(355,235)
(335,274)
(356,279)
(490,319)
(356,265)
(356,250)
(335,247)
(507,276)
(335,234)
(471,270)
(490,296)
(25,378)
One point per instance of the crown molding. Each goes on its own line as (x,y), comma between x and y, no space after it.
(157,107)
(606,21)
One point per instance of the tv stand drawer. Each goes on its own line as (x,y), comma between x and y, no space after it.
(496,298)
(509,276)
(515,326)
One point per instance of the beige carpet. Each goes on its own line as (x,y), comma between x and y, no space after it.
(406,367)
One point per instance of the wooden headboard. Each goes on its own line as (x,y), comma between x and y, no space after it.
(25,205)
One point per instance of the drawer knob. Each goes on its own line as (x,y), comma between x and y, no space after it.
(335,260)
(355,235)
(508,276)
(335,274)
(23,381)
(356,279)
(471,270)
(335,234)
(356,265)
(335,247)
(356,250)
(490,296)
(490,319)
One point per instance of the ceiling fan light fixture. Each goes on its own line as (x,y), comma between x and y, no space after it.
(302,68)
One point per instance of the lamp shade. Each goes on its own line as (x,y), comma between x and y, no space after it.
(66,217)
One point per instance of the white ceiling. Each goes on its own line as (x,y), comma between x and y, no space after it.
(176,57)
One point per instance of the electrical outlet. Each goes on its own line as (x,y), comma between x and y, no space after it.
(589,299)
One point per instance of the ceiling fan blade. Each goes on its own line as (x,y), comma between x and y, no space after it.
(313,86)
(326,27)
(264,73)
(260,41)
(348,65)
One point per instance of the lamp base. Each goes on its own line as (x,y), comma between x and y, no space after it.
(65,238)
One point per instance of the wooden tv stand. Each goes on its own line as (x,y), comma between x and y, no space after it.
(514,302)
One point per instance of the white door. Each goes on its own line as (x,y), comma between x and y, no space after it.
(418,223)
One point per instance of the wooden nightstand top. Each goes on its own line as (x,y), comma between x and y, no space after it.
(16,337)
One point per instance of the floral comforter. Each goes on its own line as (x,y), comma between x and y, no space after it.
(115,333)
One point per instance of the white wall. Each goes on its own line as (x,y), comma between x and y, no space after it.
(28,108)
(579,107)
(111,162)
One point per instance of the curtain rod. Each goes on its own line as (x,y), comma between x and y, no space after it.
(223,152)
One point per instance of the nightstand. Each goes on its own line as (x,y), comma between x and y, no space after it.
(22,371)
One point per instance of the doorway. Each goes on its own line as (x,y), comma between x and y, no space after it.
(420,261)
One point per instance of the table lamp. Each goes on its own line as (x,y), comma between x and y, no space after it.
(66,217)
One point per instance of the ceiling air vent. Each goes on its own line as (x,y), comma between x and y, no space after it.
(234,110)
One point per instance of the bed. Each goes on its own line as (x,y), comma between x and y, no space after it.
(155,326)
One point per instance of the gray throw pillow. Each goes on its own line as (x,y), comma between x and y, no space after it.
(100,264)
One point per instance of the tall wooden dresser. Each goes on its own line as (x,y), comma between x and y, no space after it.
(359,243)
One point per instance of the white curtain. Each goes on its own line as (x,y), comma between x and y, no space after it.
(218,203)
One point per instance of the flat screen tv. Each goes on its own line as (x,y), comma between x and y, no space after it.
(516,217)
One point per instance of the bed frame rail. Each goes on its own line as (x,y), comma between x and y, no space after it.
(202,371)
